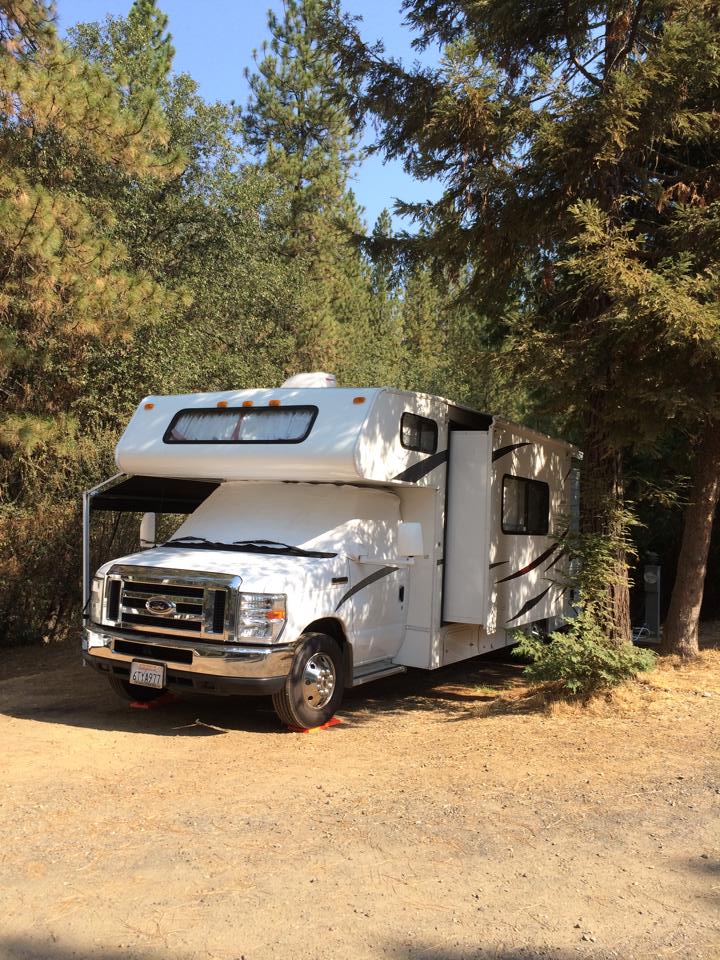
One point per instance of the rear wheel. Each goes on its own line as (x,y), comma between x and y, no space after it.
(129,691)
(314,688)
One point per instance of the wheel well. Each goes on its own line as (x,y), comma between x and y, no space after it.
(333,628)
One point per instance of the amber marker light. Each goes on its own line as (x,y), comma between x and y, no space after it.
(358,399)
(274,403)
(275,615)
(247,403)
(148,406)
(222,403)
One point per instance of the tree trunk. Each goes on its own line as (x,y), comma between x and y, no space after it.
(680,632)
(601,506)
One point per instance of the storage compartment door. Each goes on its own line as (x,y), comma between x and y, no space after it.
(467,530)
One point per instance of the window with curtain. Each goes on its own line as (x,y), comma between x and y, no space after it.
(418,433)
(525,506)
(242,425)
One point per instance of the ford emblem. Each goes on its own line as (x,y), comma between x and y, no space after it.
(160,606)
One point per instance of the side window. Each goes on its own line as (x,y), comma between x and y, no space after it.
(418,433)
(525,506)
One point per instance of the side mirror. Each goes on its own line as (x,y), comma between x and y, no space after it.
(410,540)
(147,531)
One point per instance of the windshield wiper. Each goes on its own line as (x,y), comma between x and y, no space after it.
(197,543)
(275,546)
(245,546)
(188,540)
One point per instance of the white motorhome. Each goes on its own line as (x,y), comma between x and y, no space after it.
(332,536)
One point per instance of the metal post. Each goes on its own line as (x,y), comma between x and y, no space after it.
(86,557)
(651,579)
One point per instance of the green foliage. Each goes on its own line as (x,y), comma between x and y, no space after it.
(586,657)
(580,660)
(578,145)
(301,135)
(67,276)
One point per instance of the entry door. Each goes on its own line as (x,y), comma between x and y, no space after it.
(378,610)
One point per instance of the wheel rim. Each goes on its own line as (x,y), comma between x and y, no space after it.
(318,682)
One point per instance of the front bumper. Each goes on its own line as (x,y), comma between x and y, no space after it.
(190,664)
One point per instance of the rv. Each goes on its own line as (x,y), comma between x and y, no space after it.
(332,536)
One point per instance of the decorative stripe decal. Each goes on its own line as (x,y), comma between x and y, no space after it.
(527,607)
(557,559)
(534,563)
(378,575)
(501,451)
(418,470)
(498,563)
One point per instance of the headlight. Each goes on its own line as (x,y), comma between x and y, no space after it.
(261,616)
(96,599)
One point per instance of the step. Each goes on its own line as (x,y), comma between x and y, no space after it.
(374,671)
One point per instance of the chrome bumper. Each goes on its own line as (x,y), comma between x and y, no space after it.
(250,662)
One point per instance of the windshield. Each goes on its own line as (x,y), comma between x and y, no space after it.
(275,516)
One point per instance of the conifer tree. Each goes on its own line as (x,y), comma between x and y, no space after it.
(567,135)
(385,348)
(302,135)
(68,283)
(66,278)
(214,232)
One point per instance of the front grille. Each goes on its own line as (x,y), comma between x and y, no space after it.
(113,603)
(219,610)
(190,610)
(151,621)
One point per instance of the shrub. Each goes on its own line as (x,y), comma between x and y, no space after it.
(581,659)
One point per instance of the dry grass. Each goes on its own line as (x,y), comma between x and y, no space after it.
(672,679)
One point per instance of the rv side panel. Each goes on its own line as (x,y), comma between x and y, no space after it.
(467,544)
(530,507)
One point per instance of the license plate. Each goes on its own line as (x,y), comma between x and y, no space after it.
(147,674)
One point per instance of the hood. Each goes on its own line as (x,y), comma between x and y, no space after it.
(259,572)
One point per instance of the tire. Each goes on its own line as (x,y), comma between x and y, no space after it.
(313,690)
(129,691)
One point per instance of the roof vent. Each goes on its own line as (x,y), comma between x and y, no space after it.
(316,379)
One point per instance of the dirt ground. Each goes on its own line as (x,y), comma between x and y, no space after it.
(435,822)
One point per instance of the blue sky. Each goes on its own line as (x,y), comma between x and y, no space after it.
(214,42)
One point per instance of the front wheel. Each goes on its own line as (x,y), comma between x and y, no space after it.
(314,687)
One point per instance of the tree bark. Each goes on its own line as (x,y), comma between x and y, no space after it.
(601,505)
(680,632)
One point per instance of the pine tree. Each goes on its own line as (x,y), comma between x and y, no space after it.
(213,233)
(65,276)
(385,347)
(68,138)
(568,138)
(295,125)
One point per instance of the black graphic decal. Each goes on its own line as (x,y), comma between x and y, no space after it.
(365,582)
(498,563)
(557,559)
(534,563)
(418,470)
(526,607)
(501,451)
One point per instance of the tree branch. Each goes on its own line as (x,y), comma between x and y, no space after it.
(571,53)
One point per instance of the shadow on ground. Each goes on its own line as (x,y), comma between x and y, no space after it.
(55,688)
(20,948)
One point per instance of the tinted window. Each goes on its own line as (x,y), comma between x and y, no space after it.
(525,506)
(241,425)
(418,433)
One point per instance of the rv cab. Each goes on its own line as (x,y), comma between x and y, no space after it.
(325,537)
